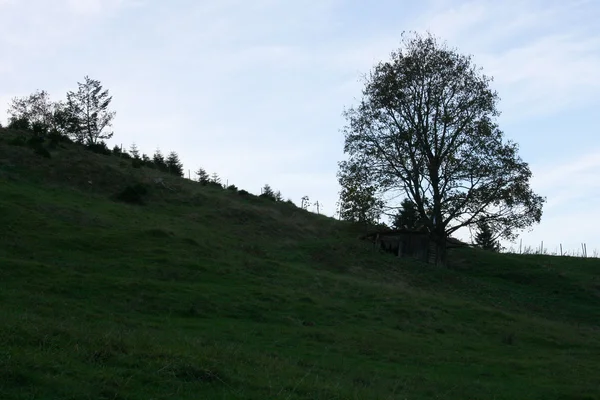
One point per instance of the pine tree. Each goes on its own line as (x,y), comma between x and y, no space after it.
(159,161)
(135,153)
(407,217)
(278,196)
(215,179)
(267,192)
(484,238)
(203,176)
(174,165)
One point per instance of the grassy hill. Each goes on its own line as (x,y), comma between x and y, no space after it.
(204,293)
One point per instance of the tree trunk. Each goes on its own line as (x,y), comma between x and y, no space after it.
(438,240)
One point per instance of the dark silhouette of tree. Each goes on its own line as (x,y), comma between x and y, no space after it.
(215,180)
(304,202)
(174,165)
(135,152)
(159,161)
(358,201)
(407,217)
(88,116)
(203,176)
(19,124)
(485,238)
(267,192)
(426,128)
(278,196)
(38,114)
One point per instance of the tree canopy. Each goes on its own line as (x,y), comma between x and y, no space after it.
(426,129)
(88,112)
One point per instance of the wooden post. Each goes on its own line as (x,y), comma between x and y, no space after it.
(521,247)
(561,253)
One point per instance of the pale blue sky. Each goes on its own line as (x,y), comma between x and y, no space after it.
(254,90)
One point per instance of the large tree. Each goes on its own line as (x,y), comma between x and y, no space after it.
(426,129)
(89,115)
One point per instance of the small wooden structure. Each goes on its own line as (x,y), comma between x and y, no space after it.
(417,244)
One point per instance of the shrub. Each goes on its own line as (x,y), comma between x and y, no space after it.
(232,188)
(133,194)
(137,163)
(19,124)
(243,193)
(18,141)
(42,151)
(100,148)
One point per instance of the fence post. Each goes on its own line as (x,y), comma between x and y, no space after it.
(521,247)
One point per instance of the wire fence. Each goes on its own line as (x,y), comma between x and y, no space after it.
(556,250)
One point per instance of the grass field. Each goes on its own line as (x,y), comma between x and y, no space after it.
(204,293)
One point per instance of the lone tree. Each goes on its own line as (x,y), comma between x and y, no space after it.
(485,238)
(203,176)
(88,112)
(426,129)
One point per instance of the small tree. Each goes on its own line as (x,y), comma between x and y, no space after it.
(304,202)
(159,161)
(173,164)
(215,179)
(135,152)
(407,217)
(278,196)
(88,113)
(267,192)
(203,176)
(485,238)
(358,201)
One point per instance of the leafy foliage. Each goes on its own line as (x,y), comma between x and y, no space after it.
(87,112)
(37,113)
(358,197)
(426,128)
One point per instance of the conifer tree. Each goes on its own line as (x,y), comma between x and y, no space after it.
(174,165)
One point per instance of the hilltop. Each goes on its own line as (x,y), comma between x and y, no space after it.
(202,292)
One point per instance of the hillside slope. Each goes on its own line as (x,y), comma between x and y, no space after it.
(206,293)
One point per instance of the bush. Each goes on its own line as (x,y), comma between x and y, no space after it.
(133,194)
(243,193)
(17,141)
(100,148)
(137,163)
(19,124)
(42,151)
(232,188)
(56,138)
(214,184)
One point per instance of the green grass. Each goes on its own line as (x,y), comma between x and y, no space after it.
(203,293)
